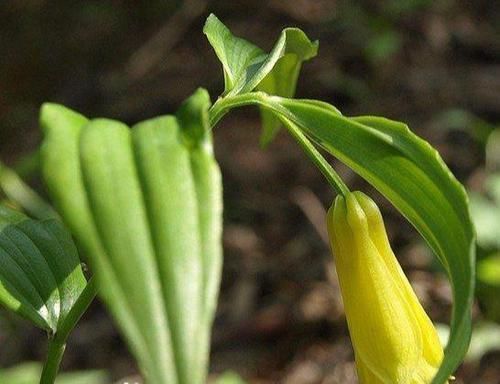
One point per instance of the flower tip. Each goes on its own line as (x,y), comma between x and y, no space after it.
(356,216)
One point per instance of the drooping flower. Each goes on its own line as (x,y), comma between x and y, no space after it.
(394,340)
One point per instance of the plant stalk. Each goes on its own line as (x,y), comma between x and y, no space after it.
(57,342)
(21,193)
(225,104)
(325,168)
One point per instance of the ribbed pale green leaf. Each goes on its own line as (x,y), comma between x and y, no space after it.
(40,274)
(118,210)
(193,117)
(61,170)
(247,67)
(148,214)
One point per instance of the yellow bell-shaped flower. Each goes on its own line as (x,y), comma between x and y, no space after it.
(394,340)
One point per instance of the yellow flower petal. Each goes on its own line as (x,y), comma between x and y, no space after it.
(393,338)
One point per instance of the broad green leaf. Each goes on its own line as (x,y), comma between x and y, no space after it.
(408,172)
(147,212)
(412,175)
(118,211)
(247,67)
(62,173)
(41,277)
(29,373)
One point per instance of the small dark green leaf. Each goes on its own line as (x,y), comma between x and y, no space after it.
(235,54)
(247,67)
(282,80)
(41,277)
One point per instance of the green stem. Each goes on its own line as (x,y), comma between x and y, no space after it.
(54,356)
(325,168)
(21,193)
(225,104)
(57,342)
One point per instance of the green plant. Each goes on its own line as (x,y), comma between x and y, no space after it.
(144,205)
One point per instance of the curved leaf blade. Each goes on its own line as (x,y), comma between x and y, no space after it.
(235,54)
(247,67)
(412,175)
(282,79)
(41,277)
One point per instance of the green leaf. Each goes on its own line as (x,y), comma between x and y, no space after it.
(29,373)
(145,204)
(282,80)
(236,55)
(193,117)
(408,172)
(247,67)
(41,277)
(63,176)
(412,175)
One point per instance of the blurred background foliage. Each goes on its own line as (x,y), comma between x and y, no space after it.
(433,64)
